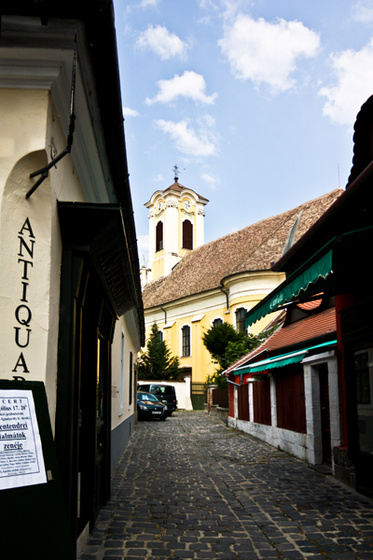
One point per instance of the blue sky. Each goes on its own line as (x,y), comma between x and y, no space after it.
(253,100)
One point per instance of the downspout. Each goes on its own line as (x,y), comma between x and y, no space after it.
(165,315)
(226,292)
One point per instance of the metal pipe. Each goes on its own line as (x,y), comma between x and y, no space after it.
(70,137)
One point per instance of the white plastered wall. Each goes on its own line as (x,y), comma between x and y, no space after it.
(30,244)
(126,327)
(308,446)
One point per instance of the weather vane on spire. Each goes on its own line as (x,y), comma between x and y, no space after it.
(176,173)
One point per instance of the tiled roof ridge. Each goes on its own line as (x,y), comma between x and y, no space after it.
(250,249)
(287,214)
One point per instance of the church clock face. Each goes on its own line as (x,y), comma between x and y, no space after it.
(187,205)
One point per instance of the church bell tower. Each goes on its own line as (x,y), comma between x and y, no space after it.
(176,226)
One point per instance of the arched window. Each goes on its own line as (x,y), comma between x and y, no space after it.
(185,341)
(159,236)
(217,322)
(240,319)
(187,234)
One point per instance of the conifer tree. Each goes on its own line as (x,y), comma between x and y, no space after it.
(157,362)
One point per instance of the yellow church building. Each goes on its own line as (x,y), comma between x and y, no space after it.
(190,286)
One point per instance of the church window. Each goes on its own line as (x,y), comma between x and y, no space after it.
(185,341)
(159,236)
(187,234)
(240,319)
(217,322)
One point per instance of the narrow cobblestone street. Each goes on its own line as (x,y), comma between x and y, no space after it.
(193,488)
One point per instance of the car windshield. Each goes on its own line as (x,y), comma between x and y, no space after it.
(164,390)
(146,397)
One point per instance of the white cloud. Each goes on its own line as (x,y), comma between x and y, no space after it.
(210,179)
(187,140)
(265,52)
(363,11)
(163,43)
(127,112)
(146,3)
(190,85)
(353,70)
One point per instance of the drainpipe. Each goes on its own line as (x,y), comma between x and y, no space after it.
(165,315)
(226,292)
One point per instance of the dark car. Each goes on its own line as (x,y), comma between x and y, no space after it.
(148,406)
(164,393)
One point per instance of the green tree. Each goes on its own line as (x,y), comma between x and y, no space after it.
(157,361)
(226,346)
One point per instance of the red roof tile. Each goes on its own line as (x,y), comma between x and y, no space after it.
(303,331)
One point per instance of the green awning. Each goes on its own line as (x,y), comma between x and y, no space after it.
(278,361)
(281,360)
(289,289)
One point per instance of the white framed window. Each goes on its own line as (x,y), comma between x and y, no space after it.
(240,317)
(185,341)
(217,321)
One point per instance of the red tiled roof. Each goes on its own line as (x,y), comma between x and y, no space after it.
(178,187)
(303,331)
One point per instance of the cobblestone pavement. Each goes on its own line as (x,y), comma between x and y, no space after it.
(193,488)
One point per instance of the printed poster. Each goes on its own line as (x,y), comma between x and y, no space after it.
(21,455)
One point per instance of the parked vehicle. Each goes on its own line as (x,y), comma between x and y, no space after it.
(164,393)
(148,406)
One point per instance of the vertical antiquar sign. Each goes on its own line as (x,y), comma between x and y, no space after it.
(23,313)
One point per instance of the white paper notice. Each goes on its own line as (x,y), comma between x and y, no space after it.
(21,455)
